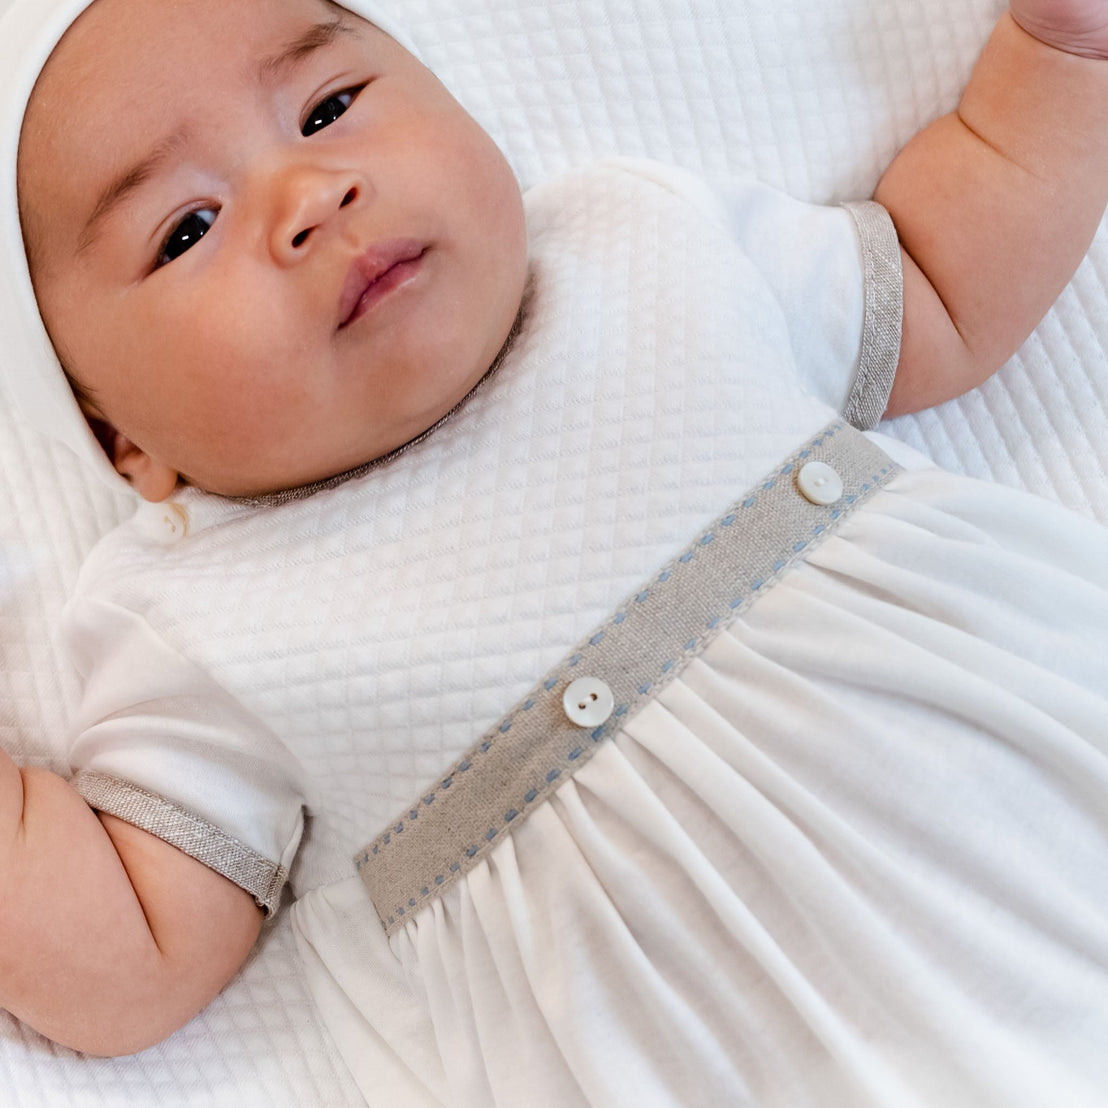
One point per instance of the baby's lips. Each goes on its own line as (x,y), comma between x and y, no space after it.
(369,267)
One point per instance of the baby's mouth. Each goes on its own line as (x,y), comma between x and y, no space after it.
(384,267)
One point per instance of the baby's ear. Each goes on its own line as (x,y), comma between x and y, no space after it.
(152,480)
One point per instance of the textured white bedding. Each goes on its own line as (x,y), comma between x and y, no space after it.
(813,96)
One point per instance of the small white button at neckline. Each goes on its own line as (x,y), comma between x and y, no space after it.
(819,483)
(588,702)
(166,522)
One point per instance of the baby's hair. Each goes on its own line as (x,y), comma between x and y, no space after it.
(82,392)
(30,235)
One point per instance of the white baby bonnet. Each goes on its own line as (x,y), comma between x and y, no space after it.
(30,372)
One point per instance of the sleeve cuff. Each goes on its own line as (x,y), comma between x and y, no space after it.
(188,832)
(884,309)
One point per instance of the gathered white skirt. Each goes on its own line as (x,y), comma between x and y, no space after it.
(855,854)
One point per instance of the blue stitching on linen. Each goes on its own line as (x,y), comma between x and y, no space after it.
(643,690)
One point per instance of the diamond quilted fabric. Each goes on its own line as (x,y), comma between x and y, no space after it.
(809,96)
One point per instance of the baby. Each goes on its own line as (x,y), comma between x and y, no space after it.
(628,728)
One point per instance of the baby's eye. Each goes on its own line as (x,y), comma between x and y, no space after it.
(327,111)
(186,234)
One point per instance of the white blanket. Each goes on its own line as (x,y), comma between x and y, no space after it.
(813,96)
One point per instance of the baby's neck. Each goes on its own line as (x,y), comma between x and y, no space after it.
(302,492)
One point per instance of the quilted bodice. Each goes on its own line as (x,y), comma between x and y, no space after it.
(377,628)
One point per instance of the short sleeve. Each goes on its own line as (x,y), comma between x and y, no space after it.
(161,745)
(836,272)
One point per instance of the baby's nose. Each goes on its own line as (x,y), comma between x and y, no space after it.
(308,200)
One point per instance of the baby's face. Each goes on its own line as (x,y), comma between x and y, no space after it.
(266,241)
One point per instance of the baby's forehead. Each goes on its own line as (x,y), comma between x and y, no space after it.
(127,64)
(107,40)
(126,32)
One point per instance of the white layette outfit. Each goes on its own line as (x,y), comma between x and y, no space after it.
(823,821)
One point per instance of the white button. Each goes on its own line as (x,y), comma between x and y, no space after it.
(819,483)
(165,522)
(588,702)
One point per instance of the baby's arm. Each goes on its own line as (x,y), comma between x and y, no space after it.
(110,939)
(996,204)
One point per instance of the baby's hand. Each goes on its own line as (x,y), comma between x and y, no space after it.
(1075,26)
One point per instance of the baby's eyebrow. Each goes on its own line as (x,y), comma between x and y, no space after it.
(316,37)
(125,183)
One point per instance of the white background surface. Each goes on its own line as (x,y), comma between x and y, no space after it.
(813,96)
